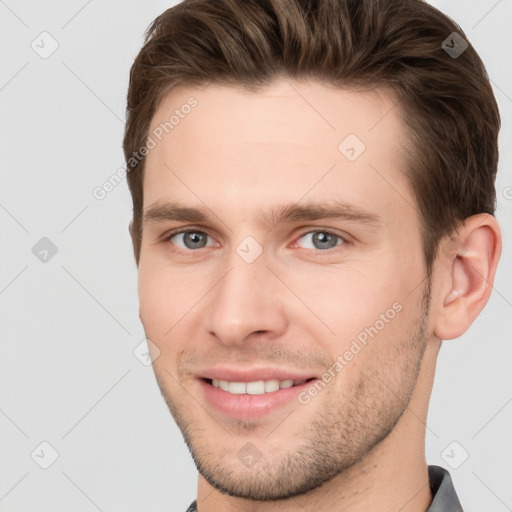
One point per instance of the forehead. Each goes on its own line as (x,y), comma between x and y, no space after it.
(285,142)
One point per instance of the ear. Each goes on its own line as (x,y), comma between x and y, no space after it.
(467,267)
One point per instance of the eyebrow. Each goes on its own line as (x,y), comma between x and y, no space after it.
(161,212)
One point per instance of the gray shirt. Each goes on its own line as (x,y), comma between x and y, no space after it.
(444,497)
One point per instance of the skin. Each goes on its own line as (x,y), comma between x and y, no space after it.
(359,444)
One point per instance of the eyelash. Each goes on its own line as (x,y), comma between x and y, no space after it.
(169,236)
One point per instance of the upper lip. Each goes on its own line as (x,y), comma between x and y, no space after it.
(252,375)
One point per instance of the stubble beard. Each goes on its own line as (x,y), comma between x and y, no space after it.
(342,432)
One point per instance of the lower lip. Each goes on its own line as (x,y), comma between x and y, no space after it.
(250,406)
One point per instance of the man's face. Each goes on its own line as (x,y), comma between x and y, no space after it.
(246,294)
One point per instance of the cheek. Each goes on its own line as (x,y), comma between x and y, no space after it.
(348,298)
(152,296)
(378,357)
(169,300)
(159,299)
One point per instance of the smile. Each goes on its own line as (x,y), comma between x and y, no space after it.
(258,387)
(252,399)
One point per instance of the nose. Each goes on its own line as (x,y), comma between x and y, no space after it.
(249,301)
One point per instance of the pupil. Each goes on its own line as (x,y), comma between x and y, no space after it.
(324,239)
(193,239)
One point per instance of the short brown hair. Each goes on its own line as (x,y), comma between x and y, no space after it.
(450,110)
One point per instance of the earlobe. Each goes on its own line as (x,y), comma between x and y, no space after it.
(467,274)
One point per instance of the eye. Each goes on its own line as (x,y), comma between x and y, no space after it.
(321,240)
(189,239)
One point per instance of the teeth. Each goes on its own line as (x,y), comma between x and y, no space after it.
(237,388)
(258,387)
(271,385)
(254,388)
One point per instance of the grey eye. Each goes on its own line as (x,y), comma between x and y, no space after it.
(321,240)
(191,239)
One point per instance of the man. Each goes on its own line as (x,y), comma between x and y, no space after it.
(313,193)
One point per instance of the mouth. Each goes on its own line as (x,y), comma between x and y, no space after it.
(258,387)
(254,398)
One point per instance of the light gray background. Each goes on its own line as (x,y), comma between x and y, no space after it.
(69,326)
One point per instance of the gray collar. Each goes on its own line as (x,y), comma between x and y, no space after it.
(444,495)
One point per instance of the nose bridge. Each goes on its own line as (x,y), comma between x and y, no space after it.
(246,299)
